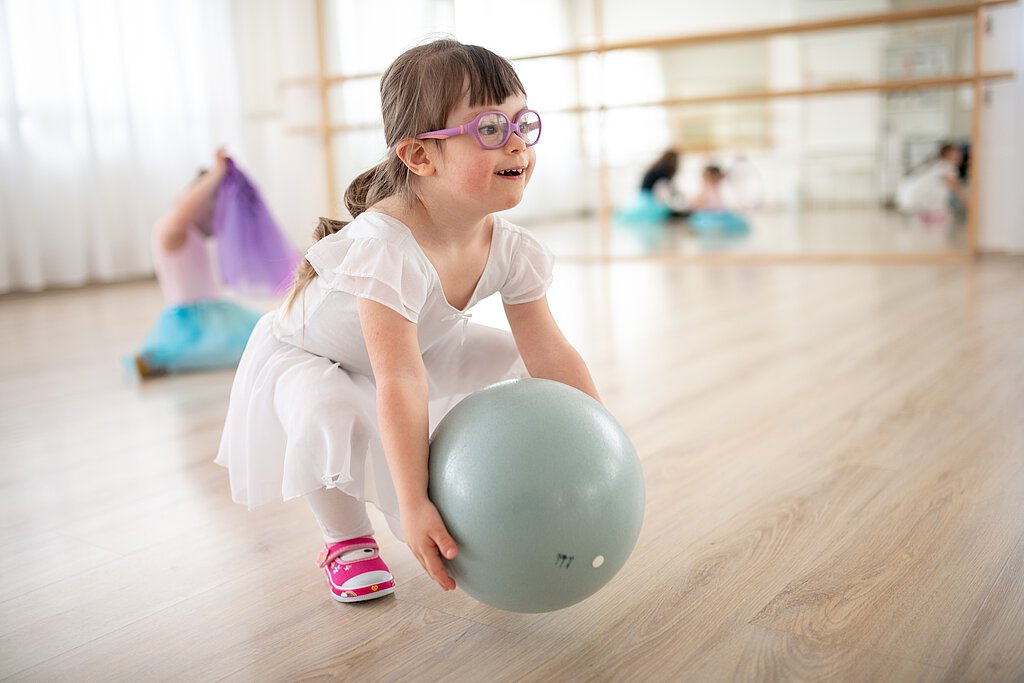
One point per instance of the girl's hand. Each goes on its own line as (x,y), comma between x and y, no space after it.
(220,161)
(429,540)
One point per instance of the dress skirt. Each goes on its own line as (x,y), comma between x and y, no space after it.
(204,335)
(298,422)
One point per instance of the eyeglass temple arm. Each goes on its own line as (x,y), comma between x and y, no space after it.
(442,134)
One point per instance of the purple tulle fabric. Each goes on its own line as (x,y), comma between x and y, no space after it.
(255,256)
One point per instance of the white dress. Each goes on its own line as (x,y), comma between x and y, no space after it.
(302,414)
(928,190)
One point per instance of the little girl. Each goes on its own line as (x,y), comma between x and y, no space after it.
(710,196)
(199,329)
(338,391)
(927,193)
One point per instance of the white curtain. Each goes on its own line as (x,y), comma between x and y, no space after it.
(107,110)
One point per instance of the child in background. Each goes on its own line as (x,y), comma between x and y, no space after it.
(928,193)
(709,198)
(199,329)
(713,212)
(658,199)
(338,391)
(659,183)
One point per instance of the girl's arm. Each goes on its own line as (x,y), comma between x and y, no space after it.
(402,414)
(953,183)
(545,350)
(665,192)
(705,200)
(173,228)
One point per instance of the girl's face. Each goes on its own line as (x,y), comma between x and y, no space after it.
(485,180)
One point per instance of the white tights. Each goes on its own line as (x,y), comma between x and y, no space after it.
(339,515)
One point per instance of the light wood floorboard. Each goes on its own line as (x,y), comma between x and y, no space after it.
(834,458)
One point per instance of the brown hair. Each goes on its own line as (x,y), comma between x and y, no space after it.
(417,93)
(713,172)
(668,163)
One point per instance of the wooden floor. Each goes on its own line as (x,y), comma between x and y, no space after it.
(834,458)
(775,232)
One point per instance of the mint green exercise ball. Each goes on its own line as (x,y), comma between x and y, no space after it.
(542,491)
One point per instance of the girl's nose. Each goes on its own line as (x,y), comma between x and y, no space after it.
(515,143)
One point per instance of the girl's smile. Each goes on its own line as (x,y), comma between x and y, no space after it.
(514,173)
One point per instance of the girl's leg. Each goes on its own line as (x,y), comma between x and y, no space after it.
(339,515)
(354,570)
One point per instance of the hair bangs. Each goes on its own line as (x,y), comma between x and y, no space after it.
(434,78)
(492,80)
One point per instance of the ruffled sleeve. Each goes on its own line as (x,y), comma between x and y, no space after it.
(372,268)
(530,273)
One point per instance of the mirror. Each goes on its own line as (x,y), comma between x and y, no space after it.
(813,176)
(810,139)
(809,142)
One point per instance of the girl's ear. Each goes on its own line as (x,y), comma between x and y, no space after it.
(417,156)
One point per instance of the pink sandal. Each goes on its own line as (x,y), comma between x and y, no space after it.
(355,571)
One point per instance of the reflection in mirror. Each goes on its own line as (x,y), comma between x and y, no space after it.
(802,170)
(793,143)
(857,173)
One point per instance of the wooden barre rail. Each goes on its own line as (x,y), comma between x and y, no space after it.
(878,86)
(684,40)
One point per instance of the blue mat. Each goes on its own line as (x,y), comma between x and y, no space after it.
(646,209)
(720,222)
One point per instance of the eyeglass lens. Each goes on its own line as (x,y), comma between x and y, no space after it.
(494,128)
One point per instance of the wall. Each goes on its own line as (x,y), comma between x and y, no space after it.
(1001,205)
(276,40)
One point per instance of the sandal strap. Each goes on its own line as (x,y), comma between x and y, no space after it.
(333,551)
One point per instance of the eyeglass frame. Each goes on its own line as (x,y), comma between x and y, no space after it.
(466,128)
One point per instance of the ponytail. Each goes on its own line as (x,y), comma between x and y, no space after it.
(357,196)
(305,273)
(387,178)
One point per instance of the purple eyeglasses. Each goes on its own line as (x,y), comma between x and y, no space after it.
(492,129)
